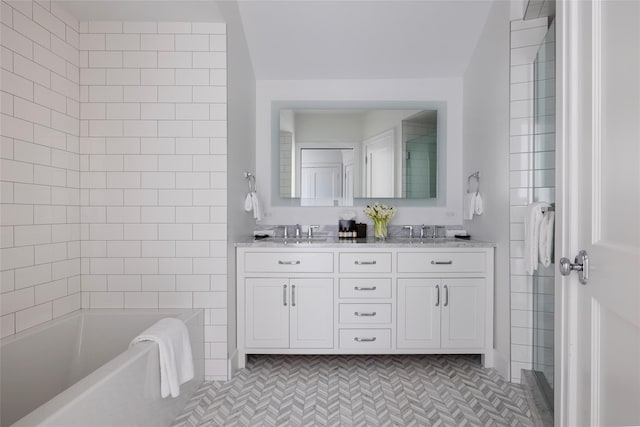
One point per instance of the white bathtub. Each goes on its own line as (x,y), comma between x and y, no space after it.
(78,371)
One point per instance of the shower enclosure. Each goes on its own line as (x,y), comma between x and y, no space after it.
(544,191)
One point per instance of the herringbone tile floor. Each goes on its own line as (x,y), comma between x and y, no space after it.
(434,390)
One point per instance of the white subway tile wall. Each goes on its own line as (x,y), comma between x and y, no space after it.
(152,173)
(39,164)
(525,166)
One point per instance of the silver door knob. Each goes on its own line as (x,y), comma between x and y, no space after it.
(580,264)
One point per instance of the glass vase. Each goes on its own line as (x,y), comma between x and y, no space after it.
(380,229)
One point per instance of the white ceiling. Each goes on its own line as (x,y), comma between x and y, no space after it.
(300,39)
(328,39)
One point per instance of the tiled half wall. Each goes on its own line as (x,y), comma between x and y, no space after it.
(114,169)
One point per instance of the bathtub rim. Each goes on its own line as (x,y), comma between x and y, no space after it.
(82,387)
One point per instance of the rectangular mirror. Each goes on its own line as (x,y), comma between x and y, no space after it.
(331,156)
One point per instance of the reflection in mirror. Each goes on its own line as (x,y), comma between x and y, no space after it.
(328,157)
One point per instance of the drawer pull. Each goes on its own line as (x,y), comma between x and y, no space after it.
(370,288)
(365,262)
(442,262)
(289,262)
(357,313)
(358,339)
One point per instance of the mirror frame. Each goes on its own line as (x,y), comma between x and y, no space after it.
(440,106)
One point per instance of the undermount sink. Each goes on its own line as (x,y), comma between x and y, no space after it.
(294,240)
(418,240)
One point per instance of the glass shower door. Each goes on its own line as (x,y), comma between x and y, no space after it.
(544,191)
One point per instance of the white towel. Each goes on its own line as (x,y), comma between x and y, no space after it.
(176,359)
(546,238)
(469,206)
(472,205)
(478,208)
(532,220)
(252,203)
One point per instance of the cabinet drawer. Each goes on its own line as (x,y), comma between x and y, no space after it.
(365,262)
(365,338)
(365,288)
(365,313)
(441,262)
(288,262)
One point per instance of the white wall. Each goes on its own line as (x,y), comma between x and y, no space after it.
(486,149)
(39,221)
(447,90)
(154,171)
(240,151)
(376,122)
(321,127)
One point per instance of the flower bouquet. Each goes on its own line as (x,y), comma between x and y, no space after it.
(381,215)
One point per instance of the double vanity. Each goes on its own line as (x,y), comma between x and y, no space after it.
(403,296)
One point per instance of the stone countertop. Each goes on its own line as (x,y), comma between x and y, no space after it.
(334,242)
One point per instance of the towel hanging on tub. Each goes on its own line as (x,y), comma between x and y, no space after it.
(176,358)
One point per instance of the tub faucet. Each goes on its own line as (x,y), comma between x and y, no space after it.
(410,228)
(422,228)
(297,231)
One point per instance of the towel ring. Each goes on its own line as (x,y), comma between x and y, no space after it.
(251,181)
(475,175)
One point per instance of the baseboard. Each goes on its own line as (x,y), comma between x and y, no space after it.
(501,364)
(233,364)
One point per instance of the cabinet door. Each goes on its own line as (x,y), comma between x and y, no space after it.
(311,313)
(463,314)
(419,302)
(267,313)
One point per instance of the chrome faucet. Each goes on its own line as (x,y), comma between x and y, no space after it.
(310,231)
(285,235)
(297,231)
(410,228)
(422,228)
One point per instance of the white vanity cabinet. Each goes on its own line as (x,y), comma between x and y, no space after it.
(441,313)
(370,298)
(289,313)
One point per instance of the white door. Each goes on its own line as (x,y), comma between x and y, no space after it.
(462,313)
(267,313)
(600,201)
(379,164)
(321,183)
(348,183)
(419,303)
(311,313)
